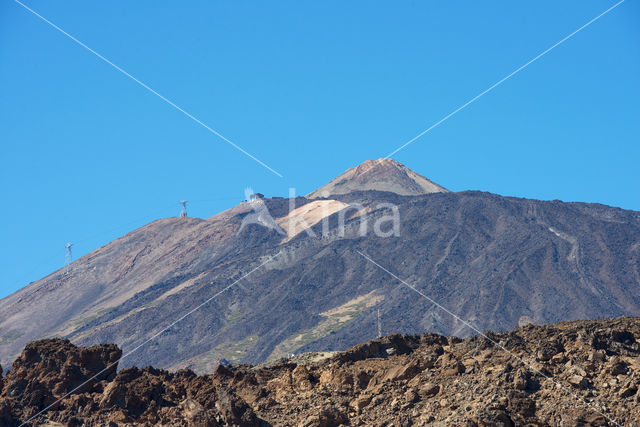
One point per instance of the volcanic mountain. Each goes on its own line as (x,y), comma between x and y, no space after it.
(266,279)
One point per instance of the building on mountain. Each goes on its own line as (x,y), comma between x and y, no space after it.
(255,196)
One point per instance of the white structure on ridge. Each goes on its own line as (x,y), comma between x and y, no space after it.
(68,257)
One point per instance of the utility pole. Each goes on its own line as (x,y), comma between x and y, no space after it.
(68,257)
(379,324)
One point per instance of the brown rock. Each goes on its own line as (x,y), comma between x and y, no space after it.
(522,404)
(362,379)
(471,365)
(547,350)
(454,369)
(410,396)
(301,378)
(431,356)
(616,366)
(496,417)
(196,415)
(578,381)
(223,371)
(335,376)
(578,371)
(362,401)
(399,391)
(61,366)
(558,359)
(597,356)
(235,411)
(51,368)
(628,391)
(450,365)
(428,389)
(520,379)
(331,417)
(403,372)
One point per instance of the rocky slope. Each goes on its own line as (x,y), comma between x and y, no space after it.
(570,373)
(496,261)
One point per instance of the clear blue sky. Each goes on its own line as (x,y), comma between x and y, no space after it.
(311,88)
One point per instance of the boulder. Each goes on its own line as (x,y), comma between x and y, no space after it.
(403,372)
(578,381)
(628,391)
(235,411)
(428,389)
(301,378)
(62,367)
(616,366)
(521,379)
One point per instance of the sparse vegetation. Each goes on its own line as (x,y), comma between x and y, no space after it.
(335,319)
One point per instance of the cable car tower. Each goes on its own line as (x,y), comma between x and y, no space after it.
(68,258)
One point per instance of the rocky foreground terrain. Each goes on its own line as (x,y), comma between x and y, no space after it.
(570,373)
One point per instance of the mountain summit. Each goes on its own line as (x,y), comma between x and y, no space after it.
(380,175)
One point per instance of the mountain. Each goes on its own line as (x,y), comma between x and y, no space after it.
(573,373)
(276,280)
(379,175)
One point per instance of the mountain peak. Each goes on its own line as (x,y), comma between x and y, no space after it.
(381,175)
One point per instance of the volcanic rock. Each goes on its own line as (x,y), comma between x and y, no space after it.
(361,386)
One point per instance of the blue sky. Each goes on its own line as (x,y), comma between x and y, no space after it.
(311,88)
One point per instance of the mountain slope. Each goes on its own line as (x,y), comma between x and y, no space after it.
(495,261)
